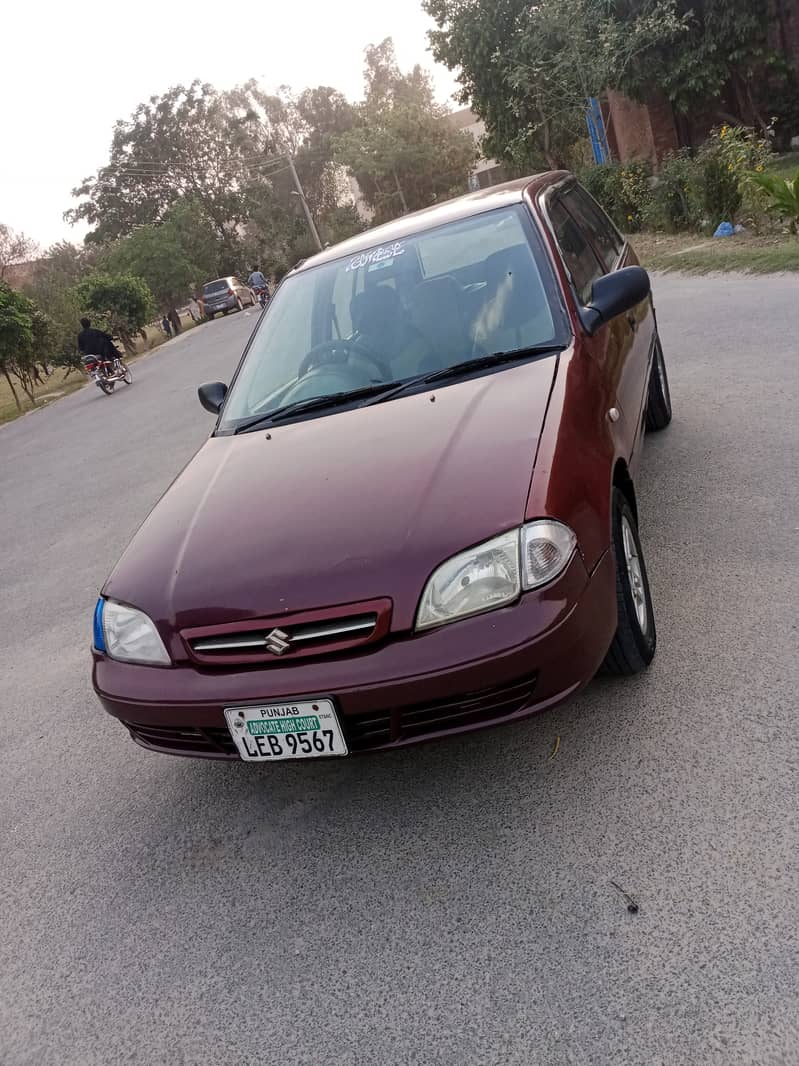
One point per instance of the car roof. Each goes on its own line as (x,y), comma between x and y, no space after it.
(473,203)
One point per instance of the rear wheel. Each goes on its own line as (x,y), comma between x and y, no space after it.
(105,386)
(209,316)
(658,404)
(634,643)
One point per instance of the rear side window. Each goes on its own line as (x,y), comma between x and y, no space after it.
(578,255)
(214,286)
(590,216)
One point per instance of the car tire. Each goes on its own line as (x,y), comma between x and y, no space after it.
(209,316)
(658,404)
(635,640)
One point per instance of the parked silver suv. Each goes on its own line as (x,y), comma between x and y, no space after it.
(226,294)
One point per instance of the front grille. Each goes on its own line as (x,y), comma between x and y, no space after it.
(214,741)
(364,732)
(289,638)
(419,720)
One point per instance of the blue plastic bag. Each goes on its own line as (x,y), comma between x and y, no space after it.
(725,229)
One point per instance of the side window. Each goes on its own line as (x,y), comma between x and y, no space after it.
(592,218)
(578,255)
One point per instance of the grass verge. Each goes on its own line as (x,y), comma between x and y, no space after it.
(692,254)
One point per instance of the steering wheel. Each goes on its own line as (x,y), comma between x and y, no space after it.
(338,351)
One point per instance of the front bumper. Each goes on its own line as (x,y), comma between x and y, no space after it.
(496,667)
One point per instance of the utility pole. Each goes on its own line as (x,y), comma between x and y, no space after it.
(403,201)
(305,207)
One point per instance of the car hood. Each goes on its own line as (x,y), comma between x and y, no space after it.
(351,506)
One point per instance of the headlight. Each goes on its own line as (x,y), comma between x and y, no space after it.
(127,634)
(495,572)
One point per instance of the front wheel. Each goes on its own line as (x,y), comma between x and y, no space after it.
(127,377)
(658,403)
(634,643)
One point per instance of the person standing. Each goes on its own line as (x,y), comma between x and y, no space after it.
(166,326)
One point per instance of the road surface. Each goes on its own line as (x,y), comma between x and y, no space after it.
(444,906)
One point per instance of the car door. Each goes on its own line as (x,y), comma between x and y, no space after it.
(613,345)
(611,248)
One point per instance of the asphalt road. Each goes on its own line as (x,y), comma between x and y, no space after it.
(448,905)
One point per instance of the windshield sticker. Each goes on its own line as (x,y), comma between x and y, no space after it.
(383,254)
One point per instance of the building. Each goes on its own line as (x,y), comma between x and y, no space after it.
(487,171)
(651,130)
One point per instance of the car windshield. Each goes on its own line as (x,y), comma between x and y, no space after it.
(397,310)
(215,286)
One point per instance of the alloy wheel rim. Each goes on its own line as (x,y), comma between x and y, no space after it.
(635,574)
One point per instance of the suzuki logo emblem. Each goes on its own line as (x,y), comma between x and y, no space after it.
(277,642)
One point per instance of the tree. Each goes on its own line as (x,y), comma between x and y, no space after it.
(52,287)
(224,155)
(173,258)
(25,335)
(16,332)
(722,61)
(187,144)
(14,248)
(402,149)
(123,303)
(528,70)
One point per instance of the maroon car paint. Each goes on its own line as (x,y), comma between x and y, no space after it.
(370,502)
(363,505)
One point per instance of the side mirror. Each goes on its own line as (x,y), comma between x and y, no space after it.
(212,395)
(614,294)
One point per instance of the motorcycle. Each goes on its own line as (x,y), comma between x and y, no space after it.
(262,296)
(105,373)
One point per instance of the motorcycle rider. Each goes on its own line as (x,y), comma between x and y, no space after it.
(96,342)
(258,283)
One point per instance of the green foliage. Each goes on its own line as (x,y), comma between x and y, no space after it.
(16,323)
(721,60)
(528,68)
(173,258)
(677,197)
(123,303)
(783,196)
(727,157)
(403,151)
(623,190)
(21,328)
(53,289)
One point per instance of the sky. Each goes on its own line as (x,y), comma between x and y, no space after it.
(70,70)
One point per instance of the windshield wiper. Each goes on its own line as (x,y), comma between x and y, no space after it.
(312,403)
(480,362)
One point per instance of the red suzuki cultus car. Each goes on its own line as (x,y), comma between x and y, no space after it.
(416,514)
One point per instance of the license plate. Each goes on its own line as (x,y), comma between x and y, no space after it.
(306,730)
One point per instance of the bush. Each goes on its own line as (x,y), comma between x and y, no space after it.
(676,202)
(623,191)
(783,196)
(727,158)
